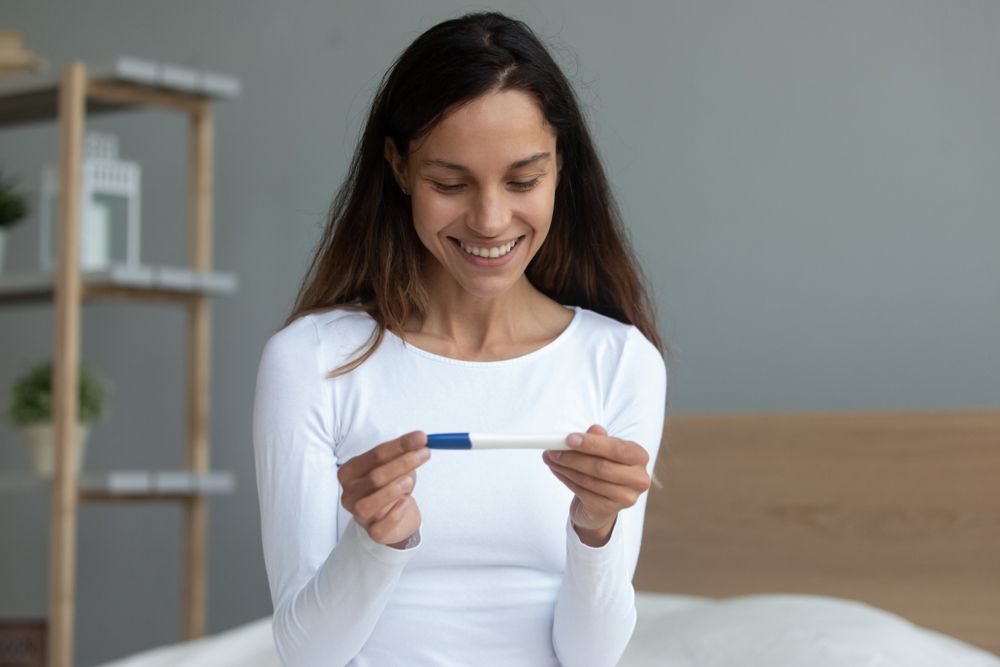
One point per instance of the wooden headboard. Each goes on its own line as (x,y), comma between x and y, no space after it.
(898,509)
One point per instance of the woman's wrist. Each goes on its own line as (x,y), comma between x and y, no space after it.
(596,537)
(409,542)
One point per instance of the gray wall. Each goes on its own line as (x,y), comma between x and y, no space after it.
(812,187)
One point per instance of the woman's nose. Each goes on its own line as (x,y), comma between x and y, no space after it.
(491,215)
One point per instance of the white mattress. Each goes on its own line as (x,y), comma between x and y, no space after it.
(683,631)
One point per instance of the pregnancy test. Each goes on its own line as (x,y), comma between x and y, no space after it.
(497,441)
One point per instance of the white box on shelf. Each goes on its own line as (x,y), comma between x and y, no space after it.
(220,85)
(175,277)
(123,274)
(217,482)
(128,68)
(117,481)
(173,481)
(219,283)
(180,77)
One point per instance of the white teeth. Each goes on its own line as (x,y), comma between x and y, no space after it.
(492,253)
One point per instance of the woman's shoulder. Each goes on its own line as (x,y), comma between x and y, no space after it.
(322,330)
(616,339)
(605,327)
(623,355)
(599,322)
(342,320)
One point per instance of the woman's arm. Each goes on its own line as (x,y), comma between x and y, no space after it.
(595,609)
(327,595)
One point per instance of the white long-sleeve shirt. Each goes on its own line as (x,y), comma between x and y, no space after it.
(496,574)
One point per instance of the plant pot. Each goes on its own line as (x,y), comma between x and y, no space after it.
(3,246)
(41,442)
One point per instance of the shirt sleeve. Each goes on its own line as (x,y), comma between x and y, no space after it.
(327,596)
(595,609)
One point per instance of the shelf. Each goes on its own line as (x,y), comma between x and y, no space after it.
(169,283)
(78,91)
(33,98)
(131,484)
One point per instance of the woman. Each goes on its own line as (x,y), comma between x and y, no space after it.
(473,277)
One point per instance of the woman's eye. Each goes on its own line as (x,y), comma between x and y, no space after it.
(517,185)
(448,188)
(525,185)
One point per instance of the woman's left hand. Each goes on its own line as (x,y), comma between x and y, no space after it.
(607,474)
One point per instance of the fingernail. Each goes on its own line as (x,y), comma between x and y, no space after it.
(574,440)
(554,456)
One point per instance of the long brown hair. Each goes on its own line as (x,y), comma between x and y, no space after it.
(369,258)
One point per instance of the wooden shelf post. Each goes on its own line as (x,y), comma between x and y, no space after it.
(62,544)
(198,344)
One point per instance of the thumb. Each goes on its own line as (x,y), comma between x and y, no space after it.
(597,429)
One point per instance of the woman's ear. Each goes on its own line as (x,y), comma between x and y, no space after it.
(396,163)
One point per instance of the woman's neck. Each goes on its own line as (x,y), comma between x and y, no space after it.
(475,326)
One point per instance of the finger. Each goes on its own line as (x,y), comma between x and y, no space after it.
(406,484)
(609,447)
(596,504)
(381,531)
(378,477)
(376,506)
(381,454)
(599,467)
(621,496)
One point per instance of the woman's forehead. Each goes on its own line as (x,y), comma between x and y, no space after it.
(502,128)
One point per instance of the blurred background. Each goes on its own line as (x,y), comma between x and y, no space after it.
(811,188)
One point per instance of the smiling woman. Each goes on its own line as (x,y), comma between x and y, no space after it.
(475,227)
(480,199)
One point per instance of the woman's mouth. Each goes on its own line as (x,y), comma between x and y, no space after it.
(494,255)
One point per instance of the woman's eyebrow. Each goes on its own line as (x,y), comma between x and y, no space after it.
(437,162)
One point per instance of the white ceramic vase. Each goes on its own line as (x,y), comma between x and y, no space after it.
(41,441)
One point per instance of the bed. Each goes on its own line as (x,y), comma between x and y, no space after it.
(780,540)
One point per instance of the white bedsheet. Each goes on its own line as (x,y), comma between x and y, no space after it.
(684,631)
(786,631)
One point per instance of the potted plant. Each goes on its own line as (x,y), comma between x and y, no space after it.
(13,208)
(30,407)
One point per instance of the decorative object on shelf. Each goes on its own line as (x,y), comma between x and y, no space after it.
(14,58)
(30,407)
(109,207)
(13,207)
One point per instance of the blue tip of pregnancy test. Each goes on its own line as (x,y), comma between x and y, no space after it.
(449,441)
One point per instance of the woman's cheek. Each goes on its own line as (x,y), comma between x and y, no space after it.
(441,207)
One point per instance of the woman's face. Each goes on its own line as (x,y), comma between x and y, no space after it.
(483,179)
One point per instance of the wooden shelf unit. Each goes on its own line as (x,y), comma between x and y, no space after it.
(69,99)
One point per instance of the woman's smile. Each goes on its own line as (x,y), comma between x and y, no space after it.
(492,255)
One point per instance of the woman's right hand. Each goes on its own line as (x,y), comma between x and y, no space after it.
(377,487)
